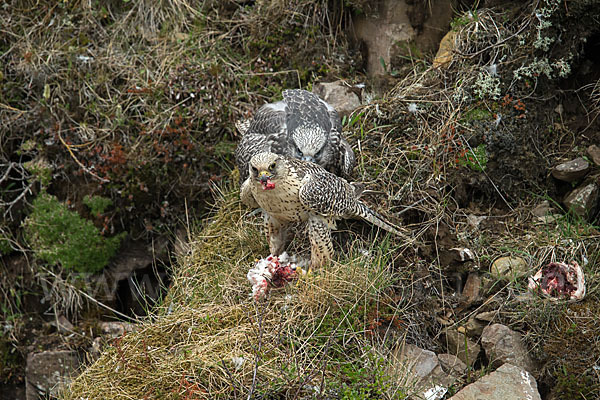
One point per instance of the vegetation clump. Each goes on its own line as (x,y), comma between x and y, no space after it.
(58,235)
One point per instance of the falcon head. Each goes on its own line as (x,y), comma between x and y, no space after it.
(310,144)
(267,169)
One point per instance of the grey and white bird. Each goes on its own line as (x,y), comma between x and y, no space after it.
(291,190)
(301,126)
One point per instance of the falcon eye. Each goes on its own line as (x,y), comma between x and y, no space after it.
(272,167)
(254,170)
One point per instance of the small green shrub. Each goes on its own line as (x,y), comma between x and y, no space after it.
(367,381)
(5,247)
(462,20)
(41,171)
(477,114)
(60,236)
(97,204)
(476,158)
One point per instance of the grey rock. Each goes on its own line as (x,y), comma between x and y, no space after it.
(452,365)
(95,349)
(115,329)
(593,153)
(470,292)
(571,171)
(487,316)
(388,30)
(380,32)
(462,347)
(422,363)
(421,370)
(583,200)
(542,209)
(48,372)
(338,95)
(62,325)
(474,327)
(545,212)
(508,382)
(132,256)
(509,267)
(503,345)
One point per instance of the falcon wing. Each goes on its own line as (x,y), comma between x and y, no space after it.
(347,158)
(326,194)
(305,109)
(270,119)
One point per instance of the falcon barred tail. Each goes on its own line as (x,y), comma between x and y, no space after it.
(376,219)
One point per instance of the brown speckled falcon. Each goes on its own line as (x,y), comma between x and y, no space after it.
(301,126)
(291,190)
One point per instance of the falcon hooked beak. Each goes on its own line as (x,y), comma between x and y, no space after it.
(265,179)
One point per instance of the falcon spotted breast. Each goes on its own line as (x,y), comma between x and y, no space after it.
(291,190)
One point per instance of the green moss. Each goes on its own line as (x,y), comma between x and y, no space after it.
(9,359)
(367,380)
(572,385)
(60,236)
(476,158)
(97,204)
(477,114)
(5,247)
(463,20)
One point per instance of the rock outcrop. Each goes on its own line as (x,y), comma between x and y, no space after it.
(48,372)
(503,345)
(508,382)
(571,171)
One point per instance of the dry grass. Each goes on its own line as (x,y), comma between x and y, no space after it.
(299,337)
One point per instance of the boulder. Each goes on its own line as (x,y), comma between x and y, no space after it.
(545,212)
(62,325)
(487,316)
(115,329)
(338,95)
(593,153)
(422,363)
(583,200)
(503,345)
(48,372)
(462,347)
(400,28)
(452,365)
(571,171)
(470,293)
(445,53)
(422,370)
(509,267)
(508,382)
(474,327)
